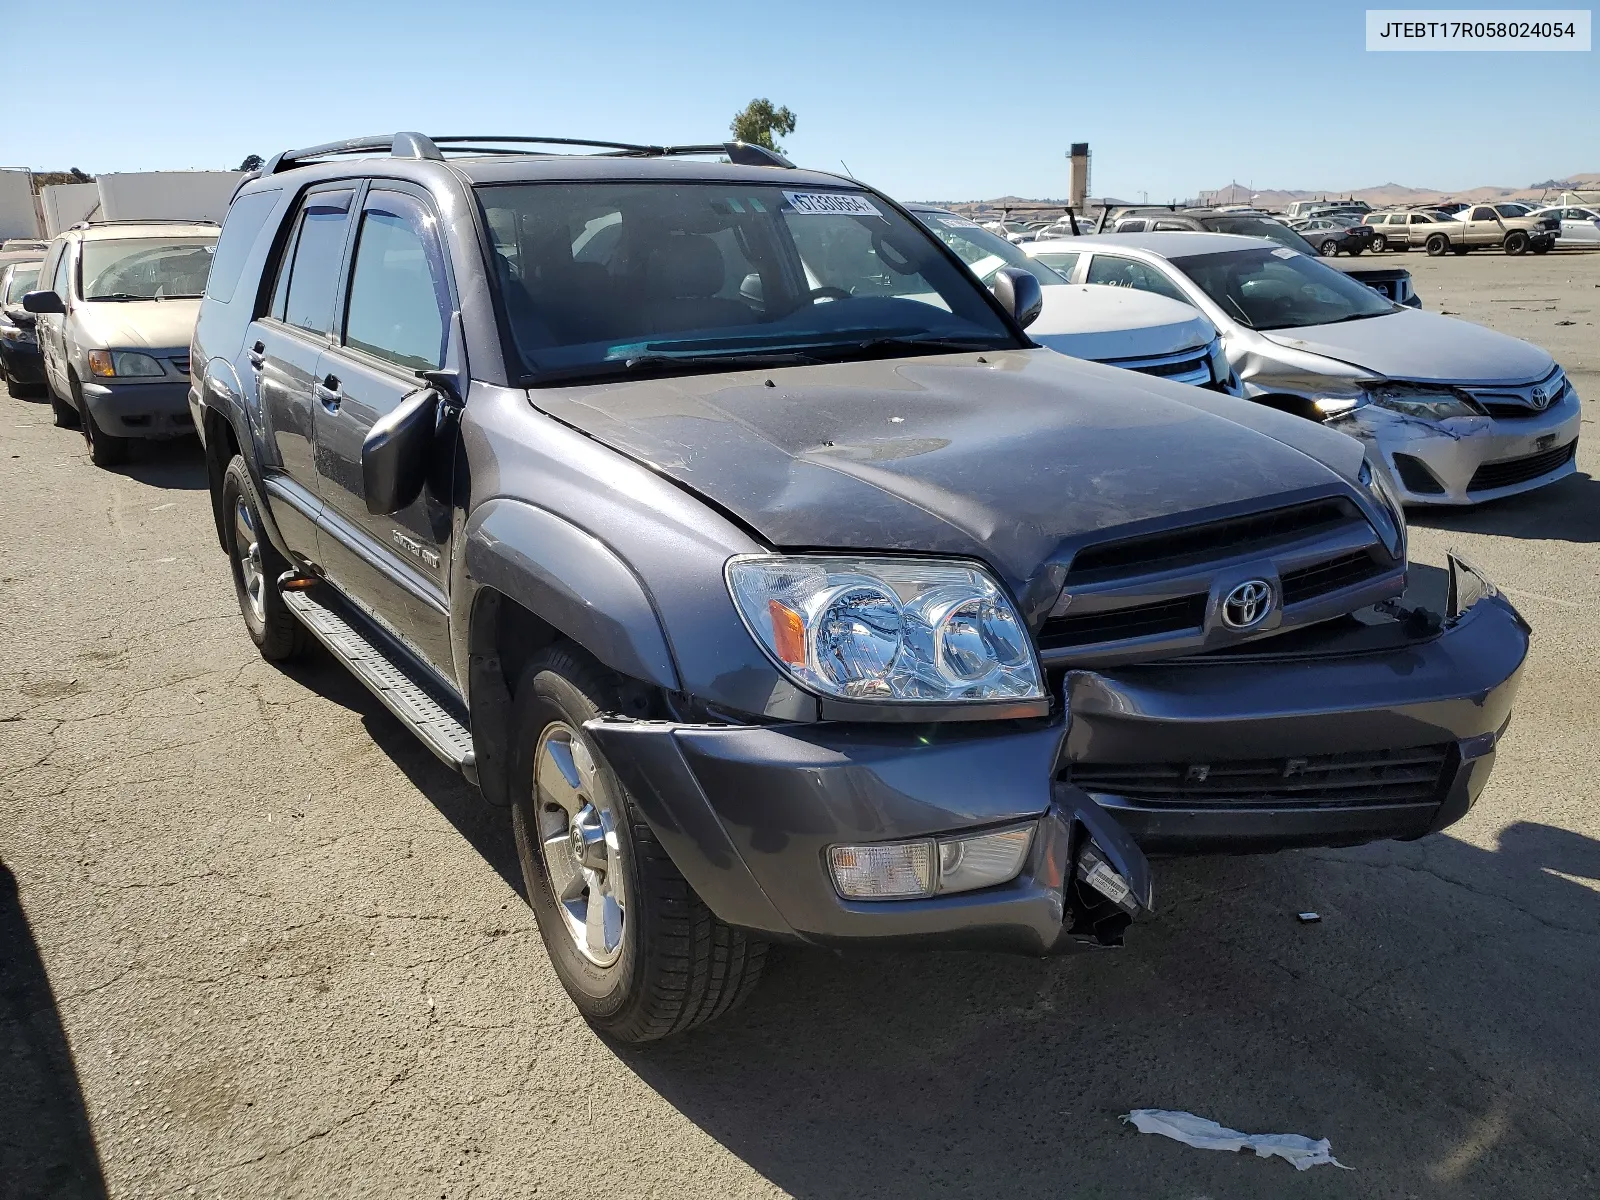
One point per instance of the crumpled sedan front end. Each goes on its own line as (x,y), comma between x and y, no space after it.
(1491,443)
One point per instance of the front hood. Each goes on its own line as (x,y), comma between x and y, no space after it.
(138,324)
(1423,346)
(1094,321)
(1016,460)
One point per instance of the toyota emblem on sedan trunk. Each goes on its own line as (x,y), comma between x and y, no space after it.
(1247,604)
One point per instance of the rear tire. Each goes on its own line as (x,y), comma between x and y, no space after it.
(105,450)
(672,964)
(256,565)
(1438,245)
(1355,251)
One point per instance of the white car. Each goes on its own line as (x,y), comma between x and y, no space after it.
(1116,326)
(1579,226)
(1452,413)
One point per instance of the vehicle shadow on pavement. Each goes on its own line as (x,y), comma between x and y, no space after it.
(1437,1024)
(1568,511)
(46,1147)
(485,828)
(178,465)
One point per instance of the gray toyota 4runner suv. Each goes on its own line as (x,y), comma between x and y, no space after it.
(713,517)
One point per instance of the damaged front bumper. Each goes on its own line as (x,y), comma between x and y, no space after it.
(748,813)
(1468,460)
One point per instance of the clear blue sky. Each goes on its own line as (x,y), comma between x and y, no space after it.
(937,100)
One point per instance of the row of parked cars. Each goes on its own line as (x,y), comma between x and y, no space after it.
(743,532)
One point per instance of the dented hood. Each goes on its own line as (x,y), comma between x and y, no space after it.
(161,325)
(1015,457)
(1424,347)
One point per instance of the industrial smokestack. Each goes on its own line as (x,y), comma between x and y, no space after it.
(1078,177)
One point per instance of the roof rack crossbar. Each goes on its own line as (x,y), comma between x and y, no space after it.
(417,145)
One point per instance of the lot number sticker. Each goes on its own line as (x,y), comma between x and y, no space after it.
(821,204)
(957,223)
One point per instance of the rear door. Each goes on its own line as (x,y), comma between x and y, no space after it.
(396,316)
(282,350)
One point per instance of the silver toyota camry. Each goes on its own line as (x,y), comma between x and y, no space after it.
(1456,413)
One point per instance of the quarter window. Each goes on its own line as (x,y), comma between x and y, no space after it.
(306,291)
(62,283)
(244,221)
(1125,272)
(398,299)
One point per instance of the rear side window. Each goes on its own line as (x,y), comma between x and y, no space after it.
(1134,226)
(1125,272)
(239,231)
(398,296)
(312,277)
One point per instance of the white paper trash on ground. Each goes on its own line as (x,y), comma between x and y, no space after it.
(1300,1152)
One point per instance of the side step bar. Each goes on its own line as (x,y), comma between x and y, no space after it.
(389,680)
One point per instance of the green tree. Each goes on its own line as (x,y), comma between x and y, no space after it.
(757,121)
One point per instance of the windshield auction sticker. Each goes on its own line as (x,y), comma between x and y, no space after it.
(1477,29)
(822,204)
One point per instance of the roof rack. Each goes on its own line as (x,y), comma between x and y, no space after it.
(143,221)
(421,146)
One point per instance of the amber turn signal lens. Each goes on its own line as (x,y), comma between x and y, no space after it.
(788,633)
(100,364)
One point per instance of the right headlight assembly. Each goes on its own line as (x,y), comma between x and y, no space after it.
(890,630)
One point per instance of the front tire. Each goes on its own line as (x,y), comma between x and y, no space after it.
(66,416)
(1541,247)
(256,564)
(1461,249)
(105,450)
(1380,244)
(639,953)
(1516,243)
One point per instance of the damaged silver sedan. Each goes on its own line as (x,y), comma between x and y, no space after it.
(1452,412)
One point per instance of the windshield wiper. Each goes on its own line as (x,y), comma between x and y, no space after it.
(657,362)
(117,296)
(878,345)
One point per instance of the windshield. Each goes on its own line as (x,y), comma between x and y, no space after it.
(605,278)
(146,268)
(1259,227)
(981,250)
(23,281)
(1280,289)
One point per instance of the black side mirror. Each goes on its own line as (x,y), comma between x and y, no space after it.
(43,302)
(397,452)
(1019,294)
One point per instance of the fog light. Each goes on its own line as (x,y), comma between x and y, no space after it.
(984,860)
(885,871)
(911,870)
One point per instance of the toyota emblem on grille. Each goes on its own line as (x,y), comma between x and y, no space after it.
(1540,398)
(1247,605)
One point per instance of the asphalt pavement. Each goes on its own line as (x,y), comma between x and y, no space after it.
(255,941)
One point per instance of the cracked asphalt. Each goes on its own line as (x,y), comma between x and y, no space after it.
(255,941)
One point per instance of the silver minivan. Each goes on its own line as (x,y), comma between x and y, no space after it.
(116,309)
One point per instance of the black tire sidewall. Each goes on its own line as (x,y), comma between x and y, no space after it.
(553,688)
(234,487)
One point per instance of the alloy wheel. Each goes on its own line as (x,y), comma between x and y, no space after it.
(578,839)
(247,548)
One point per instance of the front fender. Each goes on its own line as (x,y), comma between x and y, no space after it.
(569,579)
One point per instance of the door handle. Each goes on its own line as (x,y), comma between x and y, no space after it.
(257,356)
(329,394)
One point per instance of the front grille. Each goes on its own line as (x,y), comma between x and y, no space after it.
(1345,571)
(1513,471)
(1511,410)
(1416,477)
(1194,544)
(1183,367)
(1184,615)
(1353,778)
